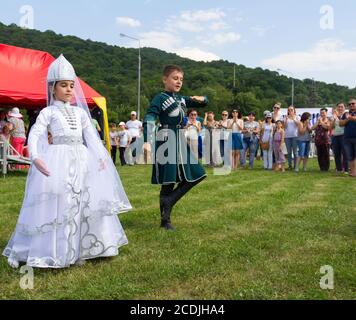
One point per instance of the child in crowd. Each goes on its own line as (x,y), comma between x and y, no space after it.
(278,140)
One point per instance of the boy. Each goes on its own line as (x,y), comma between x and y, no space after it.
(170,108)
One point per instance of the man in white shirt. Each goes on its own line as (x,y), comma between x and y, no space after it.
(134,126)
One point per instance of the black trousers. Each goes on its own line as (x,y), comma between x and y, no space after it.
(323,151)
(339,151)
(122,156)
(113,153)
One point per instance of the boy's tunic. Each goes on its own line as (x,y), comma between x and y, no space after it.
(170,109)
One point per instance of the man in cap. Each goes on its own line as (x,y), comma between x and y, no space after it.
(135,129)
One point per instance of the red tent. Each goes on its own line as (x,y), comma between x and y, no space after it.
(23,74)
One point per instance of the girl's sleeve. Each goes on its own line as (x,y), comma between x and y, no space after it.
(38,138)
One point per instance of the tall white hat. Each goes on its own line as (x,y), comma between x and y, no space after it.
(61,70)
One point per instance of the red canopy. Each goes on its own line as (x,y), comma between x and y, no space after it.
(23,74)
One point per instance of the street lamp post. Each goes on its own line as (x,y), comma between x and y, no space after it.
(292,83)
(139,74)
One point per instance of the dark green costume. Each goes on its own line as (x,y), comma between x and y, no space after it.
(170,109)
(180,166)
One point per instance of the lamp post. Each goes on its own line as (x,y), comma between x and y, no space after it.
(139,74)
(292,83)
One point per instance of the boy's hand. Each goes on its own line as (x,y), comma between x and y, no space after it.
(198,99)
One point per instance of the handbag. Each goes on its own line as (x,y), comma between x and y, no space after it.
(264,145)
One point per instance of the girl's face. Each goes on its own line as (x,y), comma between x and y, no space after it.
(113,129)
(341,108)
(64,91)
(174,82)
(279,125)
(122,128)
(291,111)
(323,114)
(251,118)
(6,130)
(193,116)
(211,116)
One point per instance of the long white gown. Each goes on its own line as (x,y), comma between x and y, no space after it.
(71,215)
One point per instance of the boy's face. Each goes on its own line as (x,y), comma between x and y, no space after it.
(174,82)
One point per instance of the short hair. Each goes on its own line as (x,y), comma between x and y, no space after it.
(190,111)
(239,113)
(171,68)
(112,125)
(324,109)
(305,116)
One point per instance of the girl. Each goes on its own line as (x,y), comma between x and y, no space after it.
(304,139)
(278,140)
(291,124)
(266,142)
(193,128)
(113,141)
(236,124)
(5,133)
(124,141)
(73,192)
(322,140)
(212,149)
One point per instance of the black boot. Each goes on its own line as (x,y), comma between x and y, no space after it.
(165,207)
(168,201)
(182,189)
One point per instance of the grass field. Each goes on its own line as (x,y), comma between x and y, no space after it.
(249,235)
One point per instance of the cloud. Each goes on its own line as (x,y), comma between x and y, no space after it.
(160,40)
(174,24)
(172,43)
(328,60)
(326,55)
(221,38)
(203,15)
(216,26)
(260,30)
(197,54)
(128,22)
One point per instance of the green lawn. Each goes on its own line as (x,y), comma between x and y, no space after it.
(249,235)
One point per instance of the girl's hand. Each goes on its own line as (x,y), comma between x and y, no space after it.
(147,147)
(41,167)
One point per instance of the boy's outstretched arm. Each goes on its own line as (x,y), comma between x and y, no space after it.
(196,101)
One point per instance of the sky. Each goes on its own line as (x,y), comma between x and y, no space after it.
(304,39)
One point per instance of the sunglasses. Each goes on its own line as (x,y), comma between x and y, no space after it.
(352,103)
(224,115)
(276,107)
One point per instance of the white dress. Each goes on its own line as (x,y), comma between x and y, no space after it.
(71,215)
